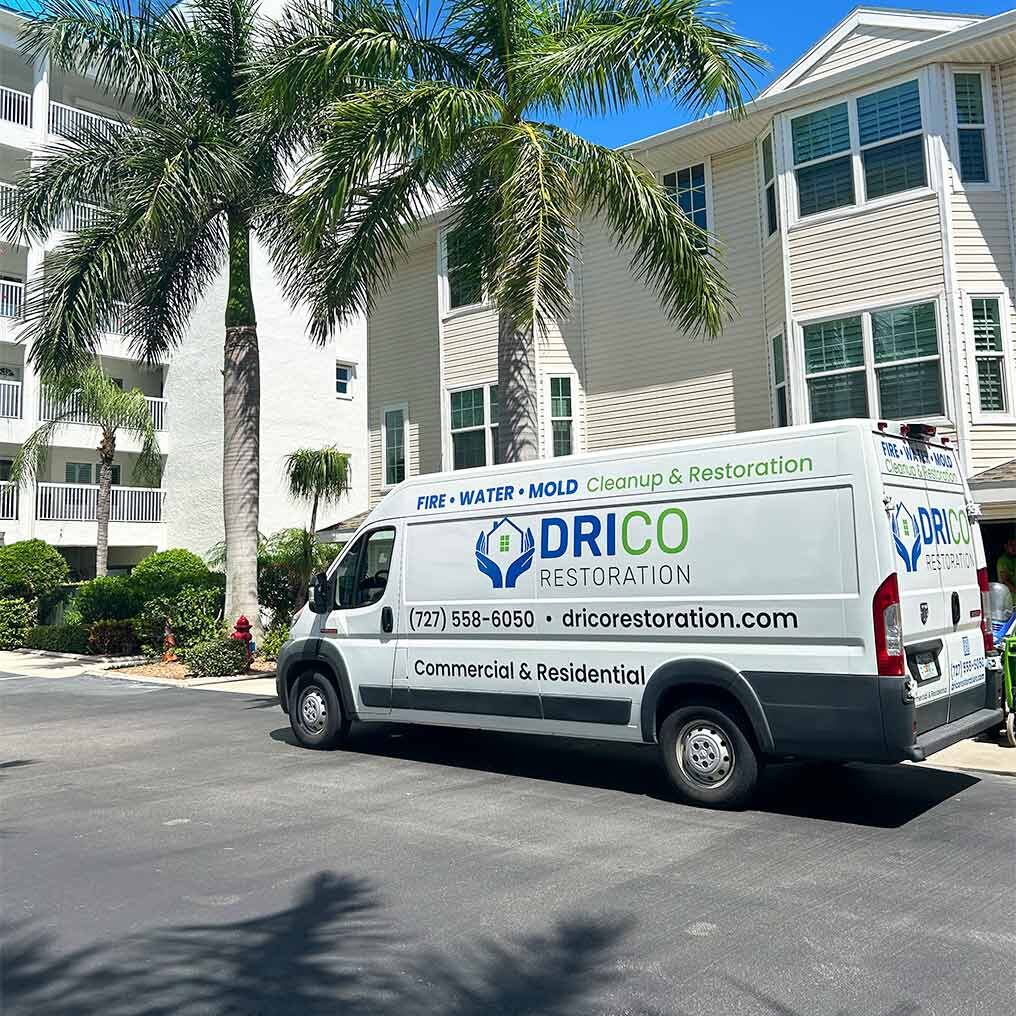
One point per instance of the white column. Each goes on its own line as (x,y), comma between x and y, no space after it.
(30,393)
(40,100)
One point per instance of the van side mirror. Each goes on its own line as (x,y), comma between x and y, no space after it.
(320,594)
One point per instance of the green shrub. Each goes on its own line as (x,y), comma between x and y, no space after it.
(58,638)
(72,615)
(111,598)
(113,638)
(166,572)
(32,570)
(219,657)
(275,638)
(16,619)
(193,614)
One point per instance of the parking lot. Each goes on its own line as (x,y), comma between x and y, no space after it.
(172,851)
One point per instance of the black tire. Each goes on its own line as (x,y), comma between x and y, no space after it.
(708,756)
(315,713)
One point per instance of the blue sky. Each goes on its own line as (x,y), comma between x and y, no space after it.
(788,27)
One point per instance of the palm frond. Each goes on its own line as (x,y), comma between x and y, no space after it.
(29,464)
(604,55)
(672,256)
(323,473)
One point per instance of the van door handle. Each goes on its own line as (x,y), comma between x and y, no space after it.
(387,620)
(956,607)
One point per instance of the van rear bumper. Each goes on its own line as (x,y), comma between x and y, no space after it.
(949,733)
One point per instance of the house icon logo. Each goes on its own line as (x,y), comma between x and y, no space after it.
(906,536)
(504,552)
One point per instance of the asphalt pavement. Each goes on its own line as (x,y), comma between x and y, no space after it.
(169,851)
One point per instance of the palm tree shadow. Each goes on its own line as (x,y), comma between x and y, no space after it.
(330,952)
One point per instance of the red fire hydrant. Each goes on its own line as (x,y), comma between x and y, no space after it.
(241,632)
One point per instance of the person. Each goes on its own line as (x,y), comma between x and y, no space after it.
(1005,566)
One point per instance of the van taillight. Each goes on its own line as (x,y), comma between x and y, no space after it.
(982,584)
(888,622)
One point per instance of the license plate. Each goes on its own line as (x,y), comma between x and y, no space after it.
(926,666)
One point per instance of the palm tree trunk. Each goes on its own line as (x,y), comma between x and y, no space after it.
(107,450)
(313,517)
(241,431)
(517,431)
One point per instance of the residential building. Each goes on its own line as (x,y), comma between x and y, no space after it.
(865,210)
(311,396)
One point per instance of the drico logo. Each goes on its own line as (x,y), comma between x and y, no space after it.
(929,526)
(512,545)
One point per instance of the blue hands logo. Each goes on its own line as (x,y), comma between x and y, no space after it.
(514,546)
(906,536)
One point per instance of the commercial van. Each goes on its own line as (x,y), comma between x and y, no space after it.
(811,592)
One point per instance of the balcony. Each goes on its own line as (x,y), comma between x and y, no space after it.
(8,501)
(51,408)
(15,107)
(10,400)
(78,502)
(12,299)
(69,120)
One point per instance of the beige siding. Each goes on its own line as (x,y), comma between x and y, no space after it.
(403,362)
(983,258)
(645,380)
(862,45)
(866,257)
(469,344)
(559,352)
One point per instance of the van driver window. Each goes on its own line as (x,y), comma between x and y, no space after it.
(362,576)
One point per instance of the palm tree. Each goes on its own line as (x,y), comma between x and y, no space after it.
(317,475)
(184,185)
(403,104)
(93,395)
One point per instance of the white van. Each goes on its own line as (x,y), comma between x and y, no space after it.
(811,592)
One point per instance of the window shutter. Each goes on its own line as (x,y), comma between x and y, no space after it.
(895,167)
(969,99)
(987,327)
(833,345)
(826,185)
(973,157)
(904,332)
(824,132)
(889,113)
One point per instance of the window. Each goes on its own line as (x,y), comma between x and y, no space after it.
(343,380)
(971,126)
(989,352)
(772,213)
(561,415)
(77,472)
(473,423)
(394,445)
(781,412)
(688,188)
(5,469)
(362,575)
(465,280)
(881,363)
(875,142)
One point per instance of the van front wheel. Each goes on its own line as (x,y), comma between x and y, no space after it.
(315,713)
(708,756)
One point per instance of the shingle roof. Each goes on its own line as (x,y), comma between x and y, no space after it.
(997,475)
(344,528)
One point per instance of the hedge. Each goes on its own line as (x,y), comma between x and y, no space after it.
(113,638)
(193,615)
(33,571)
(110,598)
(220,657)
(16,619)
(167,572)
(58,638)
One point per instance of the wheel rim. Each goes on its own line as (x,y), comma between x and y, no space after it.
(313,711)
(705,753)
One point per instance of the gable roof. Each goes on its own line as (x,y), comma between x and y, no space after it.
(864,33)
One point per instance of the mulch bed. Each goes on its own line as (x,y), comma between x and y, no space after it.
(179,672)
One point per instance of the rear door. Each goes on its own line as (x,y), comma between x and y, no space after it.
(936,550)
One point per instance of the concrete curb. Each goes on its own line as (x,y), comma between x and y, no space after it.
(188,682)
(112,661)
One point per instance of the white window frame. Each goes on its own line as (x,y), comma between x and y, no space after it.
(793,217)
(707,163)
(550,417)
(864,310)
(394,407)
(350,382)
(764,187)
(775,386)
(979,415)
(444,289)
(993,183)
(488,428)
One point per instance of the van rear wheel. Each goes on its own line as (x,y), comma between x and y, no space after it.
(708,756)
(315,713)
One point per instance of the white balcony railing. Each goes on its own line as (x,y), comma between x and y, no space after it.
(50,408)
(80,216)
(67,120)
(10,399)
(78,502)
(8,197)
(12,298)
(8,501)
(15,106)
